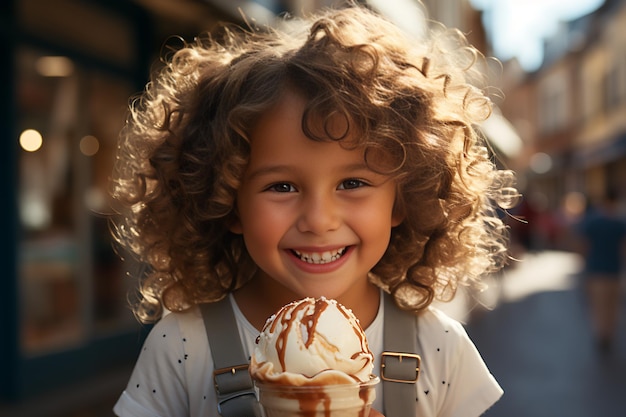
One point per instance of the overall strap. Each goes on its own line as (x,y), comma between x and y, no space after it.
(400,363)
(236,396)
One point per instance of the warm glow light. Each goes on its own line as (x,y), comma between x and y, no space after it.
(54,66)
(31,140)
(574,205)
(89,145)
(541,163)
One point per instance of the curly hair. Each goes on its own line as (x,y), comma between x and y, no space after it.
(185,147)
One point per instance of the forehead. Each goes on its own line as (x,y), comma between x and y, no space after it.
(279,134)
(286,114)
(291,129)
(319,116)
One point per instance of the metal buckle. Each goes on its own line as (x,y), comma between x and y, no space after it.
(232,369)
(400,356)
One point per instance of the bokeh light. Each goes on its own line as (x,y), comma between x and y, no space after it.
(31,140)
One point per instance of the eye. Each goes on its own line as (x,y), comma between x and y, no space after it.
(351,184)
(282,187)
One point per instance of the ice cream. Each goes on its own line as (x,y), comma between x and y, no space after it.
(312,357)
(312,341)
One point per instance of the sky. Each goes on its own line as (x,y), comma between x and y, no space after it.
(518,27)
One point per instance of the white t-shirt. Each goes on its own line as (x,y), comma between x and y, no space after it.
(173,375)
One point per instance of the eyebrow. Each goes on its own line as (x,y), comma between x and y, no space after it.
(268,170)
(282,169)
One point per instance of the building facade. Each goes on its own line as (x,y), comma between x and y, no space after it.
(571,114)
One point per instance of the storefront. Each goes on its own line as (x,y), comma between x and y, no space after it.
(65,89)
(70,68)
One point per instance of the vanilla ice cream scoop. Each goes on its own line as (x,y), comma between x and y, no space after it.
(312,342)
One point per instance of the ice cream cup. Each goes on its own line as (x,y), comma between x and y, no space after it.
(342,400)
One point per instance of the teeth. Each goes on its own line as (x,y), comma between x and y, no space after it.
(320,258)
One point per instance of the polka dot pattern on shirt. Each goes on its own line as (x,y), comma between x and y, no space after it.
(443,383)
(180,361)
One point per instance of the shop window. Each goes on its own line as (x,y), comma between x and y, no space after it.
(71,283)
(611,96)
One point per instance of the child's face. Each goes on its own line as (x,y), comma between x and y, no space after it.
(313,216)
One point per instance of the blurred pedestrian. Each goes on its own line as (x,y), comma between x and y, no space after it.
(603,232)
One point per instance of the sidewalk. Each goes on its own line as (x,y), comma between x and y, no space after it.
(536,341)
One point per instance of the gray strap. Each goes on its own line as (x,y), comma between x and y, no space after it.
(400,363)
(235,391)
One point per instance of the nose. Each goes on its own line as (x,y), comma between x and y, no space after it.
(319,214)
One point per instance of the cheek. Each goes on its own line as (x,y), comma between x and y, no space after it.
(390,209)
(387,219)
(264,217)
(261,224)
(375,222)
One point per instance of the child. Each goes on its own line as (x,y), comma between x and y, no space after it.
(335,161)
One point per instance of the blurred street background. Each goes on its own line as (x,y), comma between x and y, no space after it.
(68,339)
(539,345)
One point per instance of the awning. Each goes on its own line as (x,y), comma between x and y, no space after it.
(502,135)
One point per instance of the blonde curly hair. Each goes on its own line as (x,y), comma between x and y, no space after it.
(185,147)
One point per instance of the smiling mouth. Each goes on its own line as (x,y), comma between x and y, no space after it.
(319,258)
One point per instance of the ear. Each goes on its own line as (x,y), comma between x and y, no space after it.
(235,227)
(398,212)
(396,218)
(234,224)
